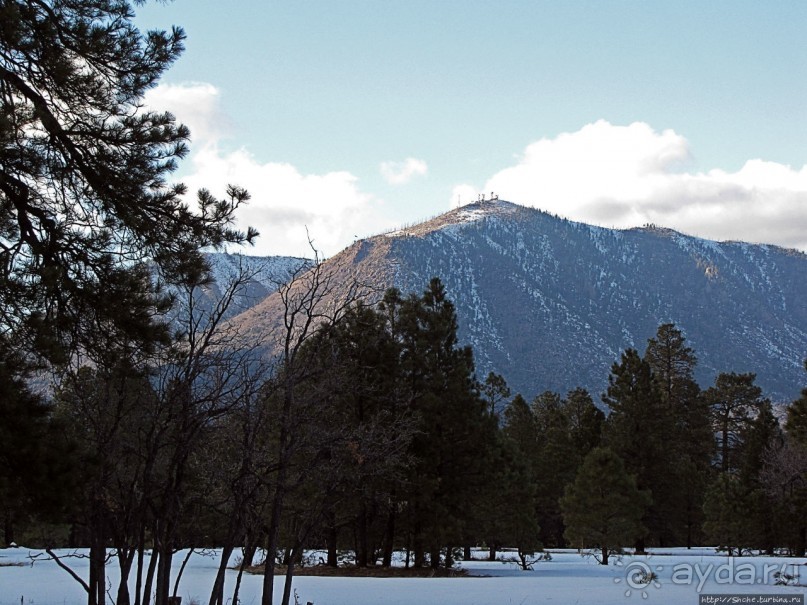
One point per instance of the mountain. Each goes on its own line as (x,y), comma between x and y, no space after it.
(550,303)
(263,276)
(266,274)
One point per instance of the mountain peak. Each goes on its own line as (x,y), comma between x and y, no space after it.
(461,215)
(550,303)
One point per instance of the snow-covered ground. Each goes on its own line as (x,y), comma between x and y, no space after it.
(682,575)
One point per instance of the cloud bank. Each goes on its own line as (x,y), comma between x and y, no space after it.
(287,207)
(399,173)
(608,175)
(626,176)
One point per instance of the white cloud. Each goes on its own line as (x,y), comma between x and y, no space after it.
(614,176)
(195,104)
(463,194)
(287,207)
(624,176)
(400,173)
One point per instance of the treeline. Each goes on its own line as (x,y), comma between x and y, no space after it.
(673,465)
(371,434)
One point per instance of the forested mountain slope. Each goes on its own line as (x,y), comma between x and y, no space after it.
(551,303)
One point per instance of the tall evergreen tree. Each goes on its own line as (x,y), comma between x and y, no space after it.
(511,518)
(585,419)
(784,478)
(84,199)
(796,423)
(495,391)
(690,444)
(89,225)
(734,401)
(732,515)
(673,364)
(452,448)
(520,426)
(363,378)
(637,430)
(521,445)
(555,464)
(603,508)
(36,459)
(746,430)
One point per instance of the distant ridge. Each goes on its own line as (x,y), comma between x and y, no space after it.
(551,303)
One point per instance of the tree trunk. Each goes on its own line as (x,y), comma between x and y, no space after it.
(155,557)
(725,448)
(246,561)
(466,552)
(332,537)
(97,580)
(389,536)
(163,586)
(362,556)
(141,548)
(272,541)
(125,560)
(434,554)
(217,593)
(689,524)
(8,528)
(419,551)
(801,542)
(173,598)
(297,551)
(604,555)
(249,551)
(449,556)
(284,459)
(492,552)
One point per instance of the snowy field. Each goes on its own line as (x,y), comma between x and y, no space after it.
(567,579)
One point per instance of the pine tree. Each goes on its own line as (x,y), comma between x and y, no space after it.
(690,444)
(495,391)
(511,516)
(84,200)
(555,464)
(520,426)
(746,430)
(36,461)
(734,401)
(603,508)
(362,396)
(792,486)
(520,446)
(585,419)
(673,364)
(796,424)
(453,445)
(733,514)
(637,430)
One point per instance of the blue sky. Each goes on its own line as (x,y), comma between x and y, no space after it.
(349,117)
